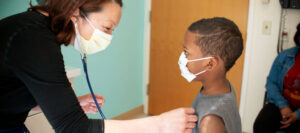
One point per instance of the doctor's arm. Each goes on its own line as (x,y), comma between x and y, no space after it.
(176,121)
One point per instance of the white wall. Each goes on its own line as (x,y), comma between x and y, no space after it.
(261,51)
(292,20)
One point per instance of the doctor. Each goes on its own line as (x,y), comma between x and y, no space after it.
(32,69)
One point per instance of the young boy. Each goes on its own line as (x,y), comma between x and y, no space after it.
(211,47)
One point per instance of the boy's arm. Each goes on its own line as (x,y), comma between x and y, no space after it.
(212,124)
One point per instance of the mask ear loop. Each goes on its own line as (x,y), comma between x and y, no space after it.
(90,23)
(77,39)
(200,72)
(200,60)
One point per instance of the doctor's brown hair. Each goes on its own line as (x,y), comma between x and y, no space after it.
(60,11)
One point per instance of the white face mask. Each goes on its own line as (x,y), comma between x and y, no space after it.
(185,71)
(98,42)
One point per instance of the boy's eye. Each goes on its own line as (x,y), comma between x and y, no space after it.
(185,52)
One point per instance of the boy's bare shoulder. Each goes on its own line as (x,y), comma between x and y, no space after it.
(212,124)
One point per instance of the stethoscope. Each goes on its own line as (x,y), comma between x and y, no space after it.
(83,59)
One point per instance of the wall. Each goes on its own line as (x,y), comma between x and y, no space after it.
(292,20)
(261,51)
(10,7)
(116,73)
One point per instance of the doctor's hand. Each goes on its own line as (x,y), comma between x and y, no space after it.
(88,105)
(181,120)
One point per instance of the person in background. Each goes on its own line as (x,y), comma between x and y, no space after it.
(211,48)
(282,110)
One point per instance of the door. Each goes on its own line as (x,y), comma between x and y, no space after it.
(169,21)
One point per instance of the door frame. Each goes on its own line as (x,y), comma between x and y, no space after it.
(245,96)
(246,70)
(146,65)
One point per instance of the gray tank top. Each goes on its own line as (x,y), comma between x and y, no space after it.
(224,106)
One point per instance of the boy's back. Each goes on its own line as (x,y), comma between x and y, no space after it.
(223,106)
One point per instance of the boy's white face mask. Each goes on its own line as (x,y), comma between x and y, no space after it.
(98,42)
(185,71)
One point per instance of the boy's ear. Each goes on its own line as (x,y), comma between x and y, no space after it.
(212,64)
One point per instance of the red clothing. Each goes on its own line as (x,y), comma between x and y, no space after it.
(291,84)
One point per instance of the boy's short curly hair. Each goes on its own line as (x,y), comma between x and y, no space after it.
(220,37)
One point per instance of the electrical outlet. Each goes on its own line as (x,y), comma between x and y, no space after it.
(267,26)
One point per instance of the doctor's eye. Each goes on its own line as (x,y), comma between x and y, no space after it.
(107,28)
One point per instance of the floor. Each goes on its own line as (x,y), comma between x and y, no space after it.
(132,114)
